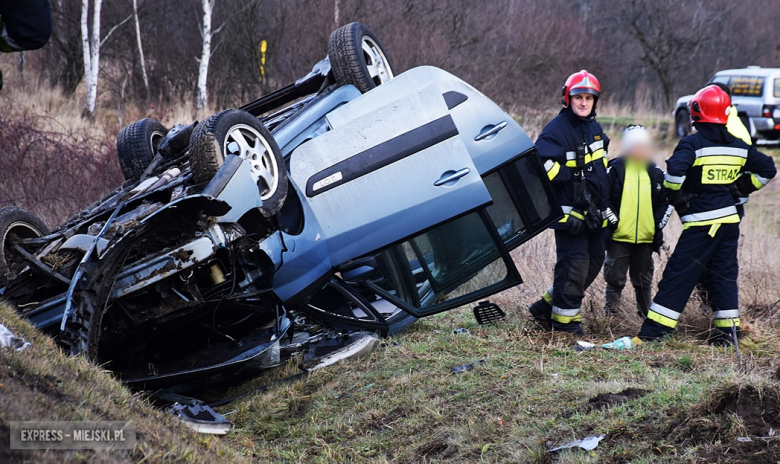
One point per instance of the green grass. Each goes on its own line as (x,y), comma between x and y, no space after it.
(530,394)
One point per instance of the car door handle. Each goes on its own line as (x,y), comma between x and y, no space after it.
(450,178)
(490,131)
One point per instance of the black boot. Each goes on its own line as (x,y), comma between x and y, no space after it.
(724,336)
(541,312)
(571,327)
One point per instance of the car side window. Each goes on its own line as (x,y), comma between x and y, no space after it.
(523,203)
(719,80)
(444,267)
(747,86)
(777,88)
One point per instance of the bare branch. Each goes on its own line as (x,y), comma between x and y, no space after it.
(111,31)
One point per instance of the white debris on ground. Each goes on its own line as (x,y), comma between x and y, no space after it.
(587,443)
(9,340)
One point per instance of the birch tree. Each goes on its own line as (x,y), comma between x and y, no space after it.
(140,47)
(205,55)
(91,44)
(208,33)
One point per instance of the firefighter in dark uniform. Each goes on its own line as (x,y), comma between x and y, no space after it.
(24,25)
(573,148)
(706,176)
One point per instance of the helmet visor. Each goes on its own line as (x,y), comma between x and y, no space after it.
(581,90)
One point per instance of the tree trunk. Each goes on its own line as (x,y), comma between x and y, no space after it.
(205,56)
(91,47)
(336,12)
(140,47)
(87,53)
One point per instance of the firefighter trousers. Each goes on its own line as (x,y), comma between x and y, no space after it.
(706,255)
(579,261)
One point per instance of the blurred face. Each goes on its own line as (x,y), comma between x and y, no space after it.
(640,152)
(582,104)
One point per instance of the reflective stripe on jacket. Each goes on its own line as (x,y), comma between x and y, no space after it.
(557,146)
(706,164)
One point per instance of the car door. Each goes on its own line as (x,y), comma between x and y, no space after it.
(387,174)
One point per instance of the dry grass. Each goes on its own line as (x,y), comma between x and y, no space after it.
(42,383)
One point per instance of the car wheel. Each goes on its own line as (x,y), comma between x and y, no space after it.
(16,223)
(682,123)
(236,132)
(357,57)
(137,145)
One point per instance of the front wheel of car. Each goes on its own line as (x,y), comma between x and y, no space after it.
(682,122)
(137,145)
(16,223)
(357,57)
(236,132)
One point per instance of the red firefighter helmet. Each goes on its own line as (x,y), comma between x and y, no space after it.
(581,82)
(710,104)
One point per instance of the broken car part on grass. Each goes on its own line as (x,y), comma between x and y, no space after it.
(340,208)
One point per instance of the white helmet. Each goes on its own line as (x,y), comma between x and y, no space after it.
(635,135)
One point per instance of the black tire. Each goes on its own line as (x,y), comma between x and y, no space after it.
(137,145)
(682,124)
(213,139)
(350,63)
(22,224)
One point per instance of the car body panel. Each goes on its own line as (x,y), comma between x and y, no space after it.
(362,211)
(305,124)
(471,115)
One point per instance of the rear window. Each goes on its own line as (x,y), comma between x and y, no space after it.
(747,86)
(777,87)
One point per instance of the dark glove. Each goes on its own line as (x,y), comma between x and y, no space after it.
(593,219)
(680,200)
(742,187)
(575,223)
(658,241)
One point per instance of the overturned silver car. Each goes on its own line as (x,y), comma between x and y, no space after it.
(367,202)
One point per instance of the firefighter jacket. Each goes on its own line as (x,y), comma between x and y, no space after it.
(574,152)
(639,200)
(705,165)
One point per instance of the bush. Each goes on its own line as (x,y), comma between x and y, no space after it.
(50,172)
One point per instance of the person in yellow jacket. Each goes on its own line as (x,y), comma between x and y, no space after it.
(636,215)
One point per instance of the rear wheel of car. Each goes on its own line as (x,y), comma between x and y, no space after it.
(357,57)
(137,145)
(682,121)
(16,223)
(236,132)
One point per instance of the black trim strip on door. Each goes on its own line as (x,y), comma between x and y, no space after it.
(382,155)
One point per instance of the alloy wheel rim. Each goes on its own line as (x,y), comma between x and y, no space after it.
(376,61)
(247,142)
